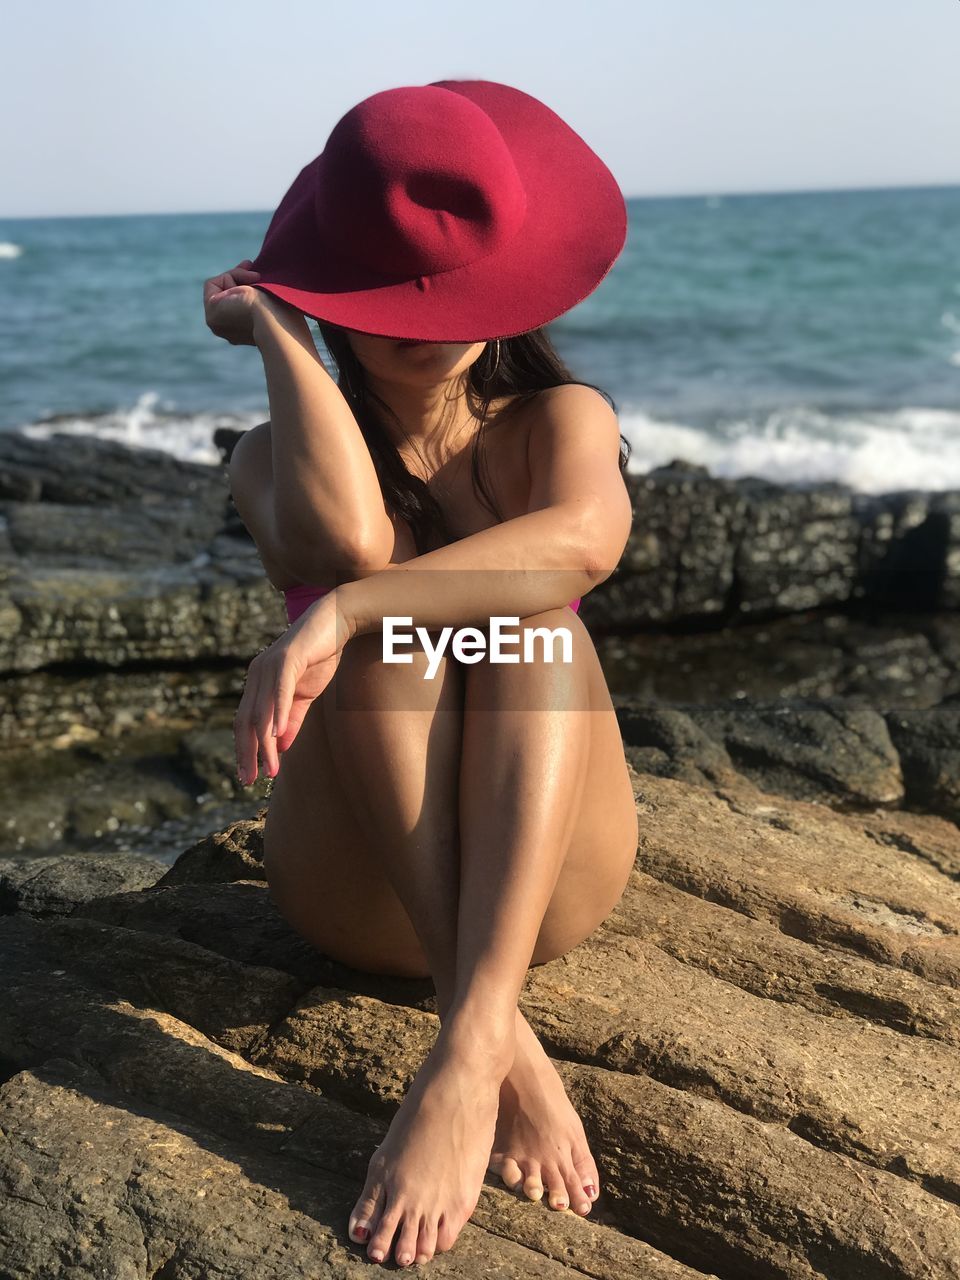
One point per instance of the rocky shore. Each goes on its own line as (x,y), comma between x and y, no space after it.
(761,1039)
(132,600)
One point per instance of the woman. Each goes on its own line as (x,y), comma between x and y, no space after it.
(468,825)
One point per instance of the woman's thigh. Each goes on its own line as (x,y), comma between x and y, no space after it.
(324,874)
(331,886)
(603,841)
(604,830)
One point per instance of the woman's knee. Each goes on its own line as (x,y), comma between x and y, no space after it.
(366,653)
(551,636)
(547,654)
(366,680)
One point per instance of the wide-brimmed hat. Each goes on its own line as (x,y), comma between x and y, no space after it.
(455,211)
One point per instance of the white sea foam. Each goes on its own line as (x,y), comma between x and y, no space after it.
(10,250)
(151,425)
(910,448)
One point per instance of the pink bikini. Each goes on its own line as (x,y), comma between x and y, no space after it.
(301,597)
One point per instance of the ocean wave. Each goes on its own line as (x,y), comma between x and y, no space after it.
(10,250)
(909,448)
(150,425)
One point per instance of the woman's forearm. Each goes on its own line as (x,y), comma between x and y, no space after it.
(484,575)
(327,495)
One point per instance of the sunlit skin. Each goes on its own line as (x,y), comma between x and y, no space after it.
(422,384)
(473,824)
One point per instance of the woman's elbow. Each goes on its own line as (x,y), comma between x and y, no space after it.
(370,554)
(606,541)
(334,558)
(598,572)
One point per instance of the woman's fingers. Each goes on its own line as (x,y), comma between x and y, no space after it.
(212,287)
(282,683)
(244,729)
(264,728)
(241,275)
(267,697)
(276,662)
(228,280)
(286,687)
(295,718)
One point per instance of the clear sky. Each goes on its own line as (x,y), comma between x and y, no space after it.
(121,106)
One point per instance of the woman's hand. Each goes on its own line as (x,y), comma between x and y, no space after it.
(230,303)
(283,681)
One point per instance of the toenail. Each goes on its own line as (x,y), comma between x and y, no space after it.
(376,1255)
(585,1207)
(404,1259)
(560,1204)
(590,1189)
(362,1230)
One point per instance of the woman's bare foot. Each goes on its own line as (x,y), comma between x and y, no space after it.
(540,1145)
(424,1179)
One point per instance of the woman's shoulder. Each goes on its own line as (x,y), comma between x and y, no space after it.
(565,394)
(573,393)
(253,446)
(550,409)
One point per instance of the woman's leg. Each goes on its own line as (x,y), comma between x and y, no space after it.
(550,835)
(400,770)
(395,740)
(526,739)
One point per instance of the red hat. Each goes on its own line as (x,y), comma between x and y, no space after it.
(450,212)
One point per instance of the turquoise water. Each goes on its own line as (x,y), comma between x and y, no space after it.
(799,337)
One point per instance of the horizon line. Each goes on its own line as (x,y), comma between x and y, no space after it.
(705,194)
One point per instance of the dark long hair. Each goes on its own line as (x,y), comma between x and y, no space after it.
(528,363)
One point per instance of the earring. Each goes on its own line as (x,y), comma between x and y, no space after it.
(488,377)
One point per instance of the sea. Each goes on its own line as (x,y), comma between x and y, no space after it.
(799,337)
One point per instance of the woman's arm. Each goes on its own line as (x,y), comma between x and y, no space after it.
(329,514)
(571,537)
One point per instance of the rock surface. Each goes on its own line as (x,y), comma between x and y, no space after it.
(132,600)
(112,556)
(55,886)
(761,1039)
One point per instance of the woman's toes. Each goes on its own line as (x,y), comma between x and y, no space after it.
(426,1241)
(365,1216)
(557,1197)
(447,1233)
(588,1177)
(579,1201)
(379,1247)
(510,1173)
(405,1249)
(533,1184)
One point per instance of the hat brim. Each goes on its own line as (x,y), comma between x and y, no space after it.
(573,232)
